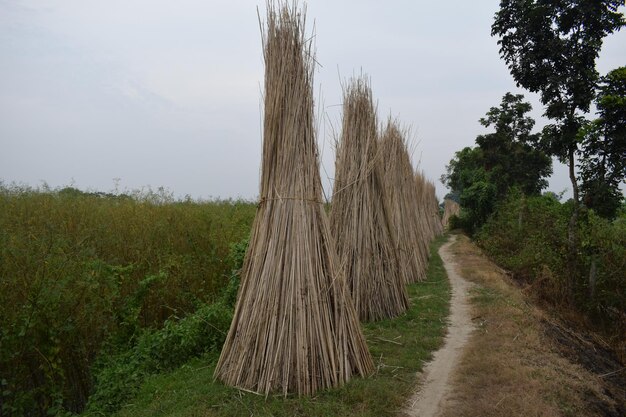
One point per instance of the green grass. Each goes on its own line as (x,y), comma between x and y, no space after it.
(400,348)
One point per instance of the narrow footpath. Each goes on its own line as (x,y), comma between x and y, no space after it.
(436,381)
(506,356)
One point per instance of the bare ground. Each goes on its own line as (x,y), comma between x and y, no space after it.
(519,360)
(435,379)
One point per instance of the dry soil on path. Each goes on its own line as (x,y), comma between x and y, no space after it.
(436,385)
(520,360)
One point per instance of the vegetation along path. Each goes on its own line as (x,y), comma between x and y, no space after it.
(436,387)
(521,359)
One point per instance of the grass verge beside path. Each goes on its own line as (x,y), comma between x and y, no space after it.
(511,365)
(400,347)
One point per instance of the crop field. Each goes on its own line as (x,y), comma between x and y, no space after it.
(307,301)
(83,273)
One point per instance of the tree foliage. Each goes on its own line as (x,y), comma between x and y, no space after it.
(509,154)
(504,159)
(603,153)
(550,47)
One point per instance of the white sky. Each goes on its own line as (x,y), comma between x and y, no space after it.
(163,93)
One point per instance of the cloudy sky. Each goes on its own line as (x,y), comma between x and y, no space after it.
(163,93)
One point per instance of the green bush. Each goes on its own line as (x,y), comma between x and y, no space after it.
(462,221)
(237,255)
(604,274)
(119,376)
(528,236)
(78,269)
(478,202)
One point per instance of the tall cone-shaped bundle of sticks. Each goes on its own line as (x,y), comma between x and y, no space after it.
(429,208)
(295,329)
(433,209)
(427,229)
(450,208)
(359,218)
(426,233)
(403,203)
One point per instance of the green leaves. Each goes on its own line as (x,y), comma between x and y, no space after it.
(503,160)
(528,236)
(80,272)
(603,154)
(119,376)
(550,47)
(510,119)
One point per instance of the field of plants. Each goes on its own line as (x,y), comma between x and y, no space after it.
(88,276)
(101,293)
(106,298)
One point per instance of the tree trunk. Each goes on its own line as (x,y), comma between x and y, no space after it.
(572,175)
(572,232)
(520,216)
(593,274)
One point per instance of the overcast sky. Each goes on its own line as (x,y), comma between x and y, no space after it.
(167,93)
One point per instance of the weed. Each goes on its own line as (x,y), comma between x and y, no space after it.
(528,236)
(399,346)
(81,270)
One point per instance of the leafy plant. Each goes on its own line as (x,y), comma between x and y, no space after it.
(503,160)
(603,154)
(119,376)
(83,271)
(529,237)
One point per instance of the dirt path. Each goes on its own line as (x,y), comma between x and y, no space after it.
(428,401)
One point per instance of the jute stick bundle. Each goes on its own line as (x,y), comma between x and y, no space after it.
(295,329)
(429,207)
(359,217)
(426,234)
(403,202)
(450,208)
(433,209)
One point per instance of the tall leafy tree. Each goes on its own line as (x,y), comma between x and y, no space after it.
(510,154)
(603,151)
(504,159)
(550,47)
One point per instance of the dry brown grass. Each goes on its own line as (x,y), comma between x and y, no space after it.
(510,366)
(359,218)
(294,329)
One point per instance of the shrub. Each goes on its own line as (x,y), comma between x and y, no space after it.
(119,376)
(78,269)
(528,236)
(604,274)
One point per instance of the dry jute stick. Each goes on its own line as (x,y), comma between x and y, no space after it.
(295,329)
